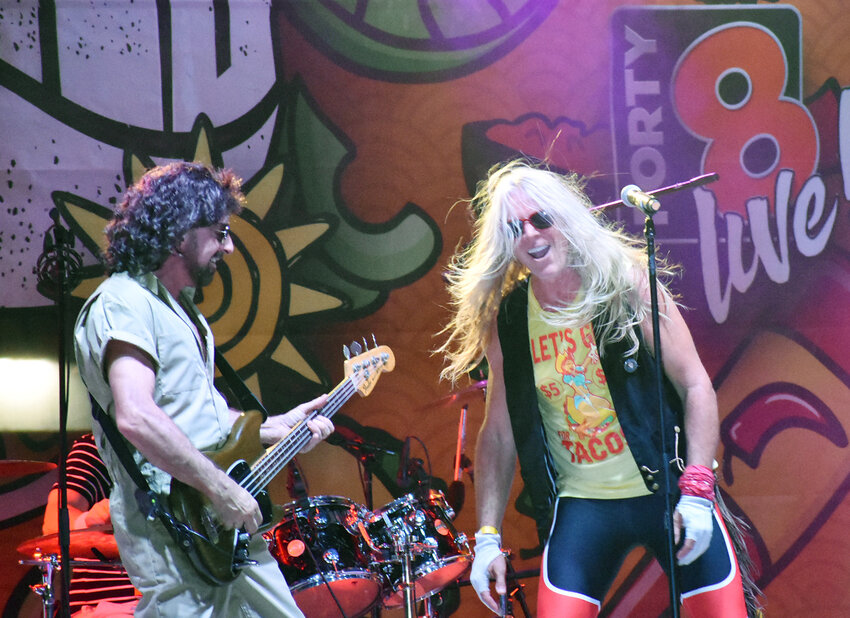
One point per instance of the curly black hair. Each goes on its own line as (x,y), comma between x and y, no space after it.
(161,207)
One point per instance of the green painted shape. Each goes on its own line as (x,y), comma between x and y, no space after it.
(395,17)
(356,295)
(366,51)
(383,253)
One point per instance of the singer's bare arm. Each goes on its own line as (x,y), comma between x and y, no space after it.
(685,370)
(495,462)
(495,452)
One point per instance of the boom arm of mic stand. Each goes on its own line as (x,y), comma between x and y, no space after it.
(697,181)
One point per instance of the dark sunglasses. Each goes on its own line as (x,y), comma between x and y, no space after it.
(541,220)
(223,233)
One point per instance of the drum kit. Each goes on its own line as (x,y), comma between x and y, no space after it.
(340,559)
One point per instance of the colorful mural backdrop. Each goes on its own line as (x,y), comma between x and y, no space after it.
(358,127)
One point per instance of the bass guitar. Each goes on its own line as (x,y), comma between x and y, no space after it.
(218,553)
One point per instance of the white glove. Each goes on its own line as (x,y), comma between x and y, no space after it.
(696,515)
(488,547)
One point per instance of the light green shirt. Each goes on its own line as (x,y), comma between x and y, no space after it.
(141,312)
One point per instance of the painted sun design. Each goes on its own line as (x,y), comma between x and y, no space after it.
(252,298)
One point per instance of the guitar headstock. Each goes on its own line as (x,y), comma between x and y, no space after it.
(366,367)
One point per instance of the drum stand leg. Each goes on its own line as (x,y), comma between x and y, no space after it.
(402,541)
(48,566)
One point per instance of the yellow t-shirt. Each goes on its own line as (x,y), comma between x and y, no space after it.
(582,430)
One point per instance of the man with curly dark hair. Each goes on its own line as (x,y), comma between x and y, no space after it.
(146,354)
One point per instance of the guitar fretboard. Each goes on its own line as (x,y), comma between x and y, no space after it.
(280,454)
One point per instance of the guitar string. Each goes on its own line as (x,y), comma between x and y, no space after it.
(284,450)
(280,453)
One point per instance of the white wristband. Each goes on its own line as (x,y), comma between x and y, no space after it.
(488,547)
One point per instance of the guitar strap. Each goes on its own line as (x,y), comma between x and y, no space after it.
(247,400)
(148,501)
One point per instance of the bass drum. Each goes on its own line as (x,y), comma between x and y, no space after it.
(324,557)
(439,553)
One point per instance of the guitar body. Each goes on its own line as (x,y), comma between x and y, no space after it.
(218,555)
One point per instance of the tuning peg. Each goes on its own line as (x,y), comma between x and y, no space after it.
(374,340)
(346,352)
(355,347)
(365,345)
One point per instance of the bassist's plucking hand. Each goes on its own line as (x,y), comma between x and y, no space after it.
(234,506)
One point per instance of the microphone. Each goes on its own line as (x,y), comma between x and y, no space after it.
(352,442)
(57,269)
(403,464)
(634,197)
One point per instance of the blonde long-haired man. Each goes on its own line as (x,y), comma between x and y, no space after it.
(558,301)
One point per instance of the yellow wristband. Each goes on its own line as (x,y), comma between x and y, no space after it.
(488,530)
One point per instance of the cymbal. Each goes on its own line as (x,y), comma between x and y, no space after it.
(16,468)
(452,398)
(80,546)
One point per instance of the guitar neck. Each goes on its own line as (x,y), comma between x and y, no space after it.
(281,452)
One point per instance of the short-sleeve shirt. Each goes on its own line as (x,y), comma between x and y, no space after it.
(140,311)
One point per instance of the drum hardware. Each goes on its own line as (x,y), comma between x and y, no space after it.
(403,548)
(95,542)
(324,556)
(48,564)
(436,552)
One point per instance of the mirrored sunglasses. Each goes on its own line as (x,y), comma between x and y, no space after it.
(223,233)
(541,220)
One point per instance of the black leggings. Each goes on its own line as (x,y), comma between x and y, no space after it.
(591,538)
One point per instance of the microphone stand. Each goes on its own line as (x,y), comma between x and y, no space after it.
(57,270)
(649,233)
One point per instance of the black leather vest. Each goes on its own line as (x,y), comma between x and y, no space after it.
(631,380)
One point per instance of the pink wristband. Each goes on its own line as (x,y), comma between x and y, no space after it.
(697,481)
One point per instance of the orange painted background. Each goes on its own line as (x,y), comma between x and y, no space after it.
(370,134)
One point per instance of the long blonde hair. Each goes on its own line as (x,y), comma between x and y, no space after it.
(480,275)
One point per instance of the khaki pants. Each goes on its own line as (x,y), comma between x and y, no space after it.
(171,587)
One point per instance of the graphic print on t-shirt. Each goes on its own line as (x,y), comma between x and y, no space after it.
(588,413)
(575,400)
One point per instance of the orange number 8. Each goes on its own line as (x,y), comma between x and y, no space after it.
(728,90)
